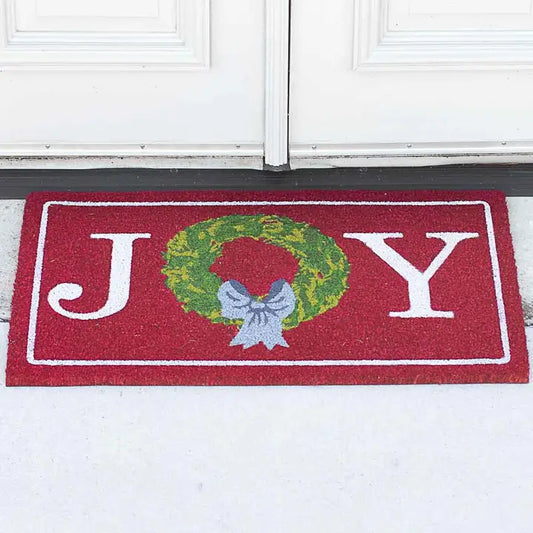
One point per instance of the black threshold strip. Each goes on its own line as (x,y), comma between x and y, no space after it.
(514,180)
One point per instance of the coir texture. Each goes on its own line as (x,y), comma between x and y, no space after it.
(264,288)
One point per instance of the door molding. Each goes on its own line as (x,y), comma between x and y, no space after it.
(184,45)
(159,155)
(378,46)
(415,154)
(276,82)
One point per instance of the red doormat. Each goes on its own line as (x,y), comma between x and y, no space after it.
(253,288)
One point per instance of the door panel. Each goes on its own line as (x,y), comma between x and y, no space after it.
(132,77)
(376,81)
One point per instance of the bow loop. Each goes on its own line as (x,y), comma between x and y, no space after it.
(262,319)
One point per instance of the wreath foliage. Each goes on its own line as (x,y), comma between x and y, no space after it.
(318,285)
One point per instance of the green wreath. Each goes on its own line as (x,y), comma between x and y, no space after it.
(318,286)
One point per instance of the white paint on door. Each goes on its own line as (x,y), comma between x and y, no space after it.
(399,82)
(167,80)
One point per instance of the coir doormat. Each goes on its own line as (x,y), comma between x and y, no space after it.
(252,288)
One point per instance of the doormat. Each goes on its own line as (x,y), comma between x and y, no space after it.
(263,288)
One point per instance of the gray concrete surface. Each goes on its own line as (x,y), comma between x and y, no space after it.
(520,215)
(10,224)
(521,221)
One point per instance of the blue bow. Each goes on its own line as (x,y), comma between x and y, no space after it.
(262,319)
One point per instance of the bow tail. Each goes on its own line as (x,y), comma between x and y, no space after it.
(260,327)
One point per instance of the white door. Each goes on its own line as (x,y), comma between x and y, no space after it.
(411,81)
(181,81)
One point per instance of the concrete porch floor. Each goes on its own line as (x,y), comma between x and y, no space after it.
(437,458)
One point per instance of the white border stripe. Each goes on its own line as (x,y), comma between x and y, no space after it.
(497,284)
(35,295)
(32,327)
